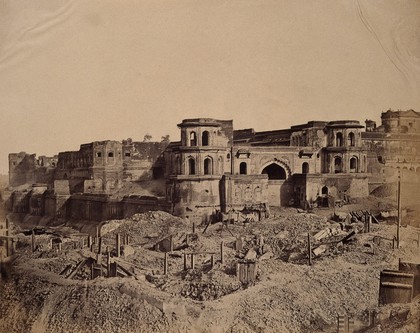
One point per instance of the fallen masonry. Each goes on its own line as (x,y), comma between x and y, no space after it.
(279,269)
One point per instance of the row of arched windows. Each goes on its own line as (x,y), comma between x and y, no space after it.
(274,170)
(208,166)
(205,136)
(351,139)
(338,164)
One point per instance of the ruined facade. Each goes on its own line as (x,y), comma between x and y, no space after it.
(215,169)
(27,169)
(97,167)
(395,143)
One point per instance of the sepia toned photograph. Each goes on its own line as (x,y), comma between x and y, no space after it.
(196,166)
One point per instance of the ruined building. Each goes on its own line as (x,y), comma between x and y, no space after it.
(97,167)
(395,143)
(215,169)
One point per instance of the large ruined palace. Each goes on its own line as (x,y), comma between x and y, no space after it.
(215,169)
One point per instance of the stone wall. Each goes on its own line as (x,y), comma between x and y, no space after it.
(337,186)
(241,191)
(84,207)
(194,195)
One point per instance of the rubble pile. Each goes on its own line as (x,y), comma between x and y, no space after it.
(173,277)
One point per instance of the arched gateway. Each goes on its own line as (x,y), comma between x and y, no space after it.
(278,186)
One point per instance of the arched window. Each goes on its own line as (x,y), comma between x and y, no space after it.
(242,168)
(191,166)
(305,167)
(110,154)
(205,138)
(339,140)
(351,140)
(338,165)
(208,166)
(324,197)
(274,171)
(193,139)
(353,164)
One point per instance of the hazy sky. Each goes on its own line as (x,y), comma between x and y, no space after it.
(73,72)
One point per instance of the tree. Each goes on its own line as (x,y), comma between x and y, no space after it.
(147,138)
(165,138)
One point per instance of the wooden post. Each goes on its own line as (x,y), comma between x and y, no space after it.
(350,325)
(372,317)
(113,269)
(399,208)
(193,227)
(192,261)
(99,245)
(7,239)
(165,264)
(342,327)
(33,240)
(97,233)
(185,261)
(14,241)
(89,241)
(59,246)
(309,250)
(221,253)
(369,222)
(108,263)
(118,244)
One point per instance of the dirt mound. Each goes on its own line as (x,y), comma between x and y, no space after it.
(385,190)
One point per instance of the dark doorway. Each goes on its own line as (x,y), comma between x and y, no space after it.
(338,165)
(205,138)
(274,171)
(208,166)
(324,197)
(242,168)
(158,173)
(191,166)
(305,167)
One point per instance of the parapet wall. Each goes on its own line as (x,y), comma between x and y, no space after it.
(82,207)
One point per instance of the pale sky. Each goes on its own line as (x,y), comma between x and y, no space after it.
(73,72)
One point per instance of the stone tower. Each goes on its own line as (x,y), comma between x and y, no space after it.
(196,166)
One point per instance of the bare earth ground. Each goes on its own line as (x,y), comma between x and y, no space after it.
(288,296)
